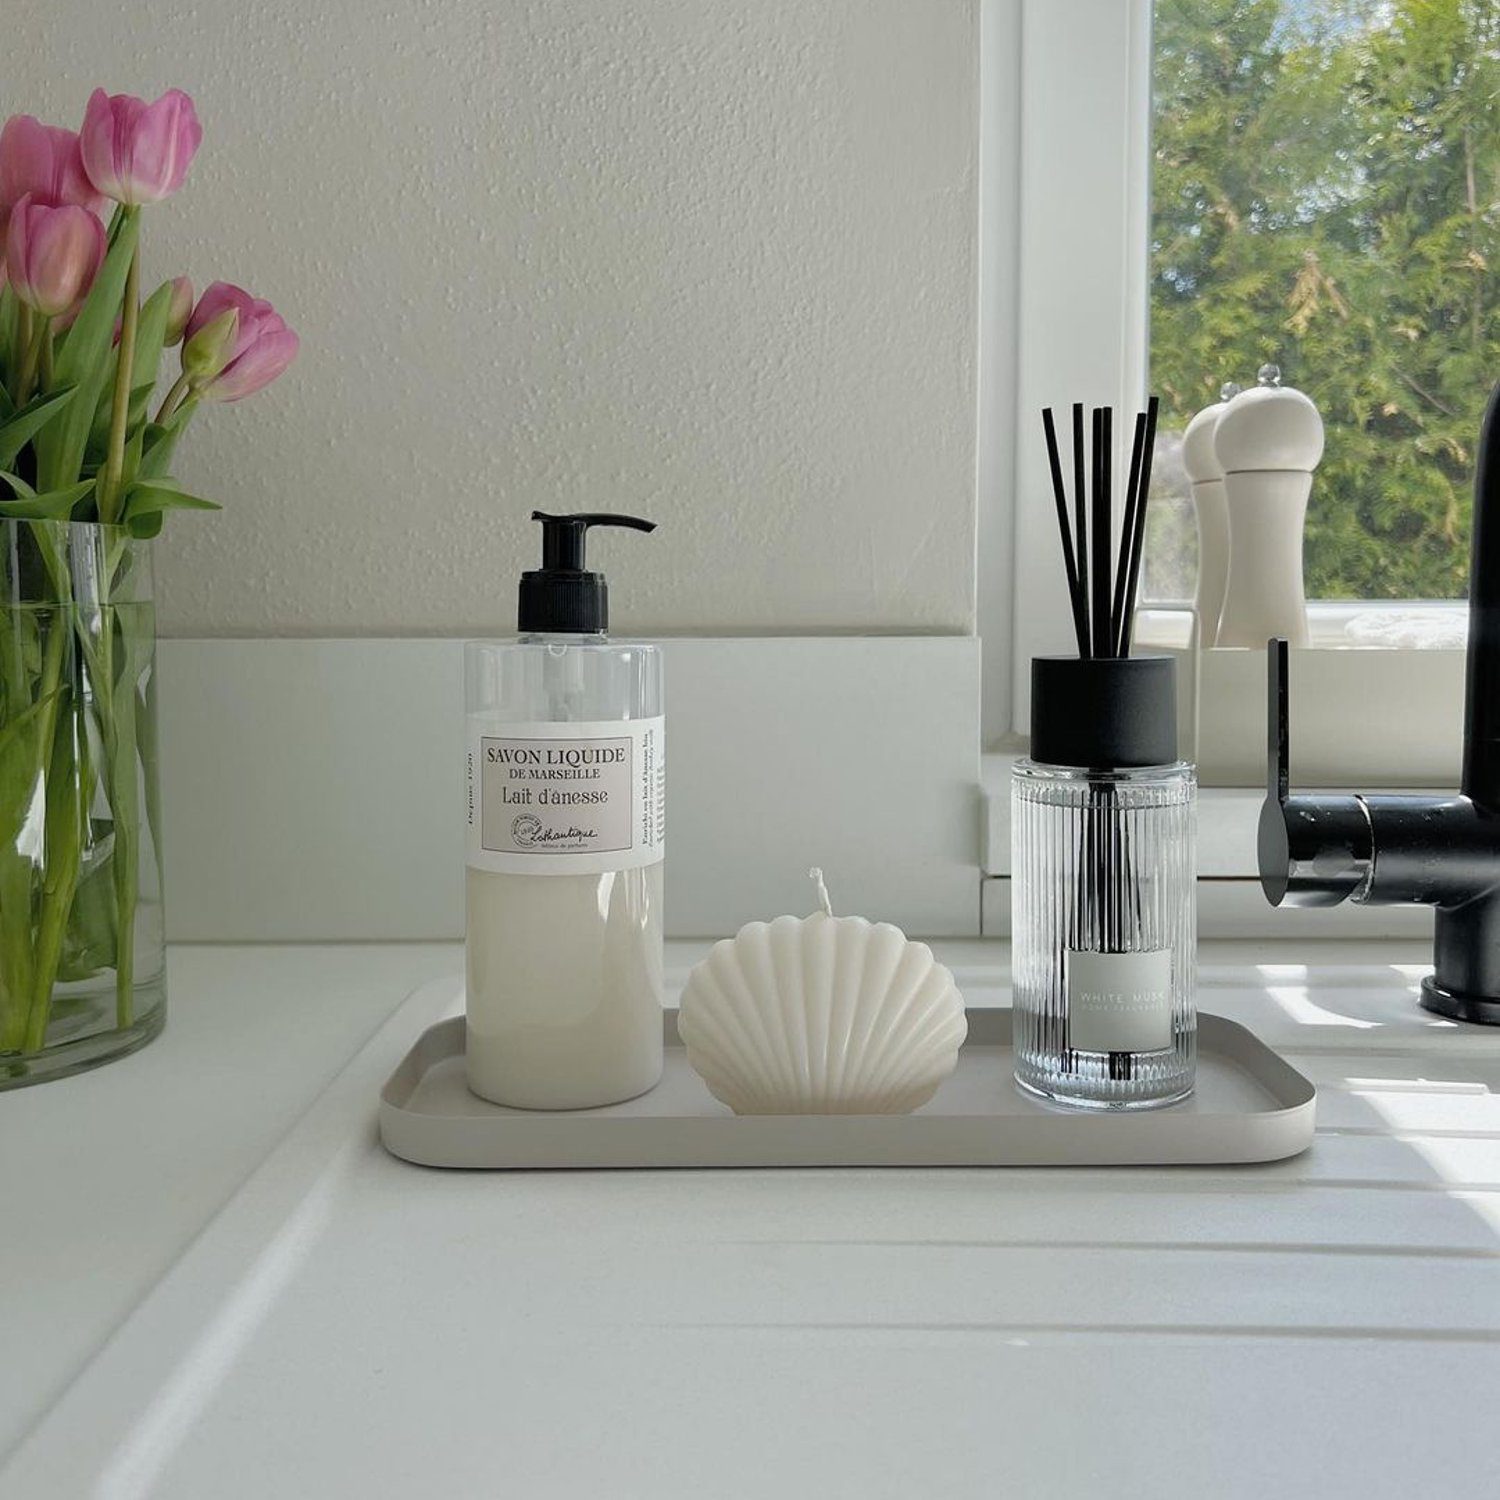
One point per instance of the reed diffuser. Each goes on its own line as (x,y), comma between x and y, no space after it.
(1102,825)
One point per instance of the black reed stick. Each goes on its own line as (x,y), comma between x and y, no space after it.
(1138,530)
(1060,496)
(1127,527)
(1081,526)
(1102,582)
(1099,603)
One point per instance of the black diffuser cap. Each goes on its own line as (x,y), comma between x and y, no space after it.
(1104,713)
(562,597)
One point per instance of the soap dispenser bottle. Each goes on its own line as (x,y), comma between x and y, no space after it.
(565,816)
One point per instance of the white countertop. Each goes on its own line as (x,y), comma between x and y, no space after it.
(213,1281)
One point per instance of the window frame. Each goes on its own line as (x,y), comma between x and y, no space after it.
(1080,194)
(1083,125)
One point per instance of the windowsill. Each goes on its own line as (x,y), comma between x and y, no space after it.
(1361,715)
(1337,624)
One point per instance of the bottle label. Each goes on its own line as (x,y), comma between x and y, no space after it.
(566,799)
(1120,1002)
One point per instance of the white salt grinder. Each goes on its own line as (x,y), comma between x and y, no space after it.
(1207,480)
(1268,442)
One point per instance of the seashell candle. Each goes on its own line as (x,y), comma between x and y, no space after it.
(822,1015)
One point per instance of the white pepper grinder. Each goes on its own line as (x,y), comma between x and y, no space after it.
(1207,479)
(1268,442)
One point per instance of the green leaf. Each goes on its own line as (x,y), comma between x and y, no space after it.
(160,442)
(89,944)
(132,461)
(20,428)
(11,734)
(98,439)
(83,360)
(150,331)
(18,766)
(147,501)
(20,775)
(52,505)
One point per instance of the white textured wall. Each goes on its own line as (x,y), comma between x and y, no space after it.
(711,261)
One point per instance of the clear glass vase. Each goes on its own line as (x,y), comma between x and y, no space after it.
(1103,933)
(82,966)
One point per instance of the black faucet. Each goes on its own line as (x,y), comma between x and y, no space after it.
(1441,851)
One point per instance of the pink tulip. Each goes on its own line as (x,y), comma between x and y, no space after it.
(43,161)
(180,310)
(52,255)
(136,152)
(235,344)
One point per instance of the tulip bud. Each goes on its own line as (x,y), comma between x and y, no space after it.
(209,346)
(180,310)
(136,152)
(52,255)
(259,344)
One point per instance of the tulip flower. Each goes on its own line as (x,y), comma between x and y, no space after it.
(136,152)
(235,344)
(52,255)
(44,162)
(180,310)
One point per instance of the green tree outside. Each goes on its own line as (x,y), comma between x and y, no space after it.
(1326,197)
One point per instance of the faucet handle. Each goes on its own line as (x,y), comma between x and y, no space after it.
(1278,727)
(1312,851)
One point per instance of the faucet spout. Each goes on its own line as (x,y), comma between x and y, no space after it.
(1481,763)
(1439,850)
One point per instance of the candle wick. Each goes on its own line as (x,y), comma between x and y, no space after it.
(816,876)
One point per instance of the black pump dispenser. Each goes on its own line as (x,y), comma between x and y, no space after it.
(562,597)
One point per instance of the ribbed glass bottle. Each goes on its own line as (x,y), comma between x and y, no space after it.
(1103,933)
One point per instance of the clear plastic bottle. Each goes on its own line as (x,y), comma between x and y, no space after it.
(1103,869)
(565,815)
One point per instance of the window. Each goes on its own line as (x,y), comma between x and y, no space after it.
(1325,176)
(1209,185)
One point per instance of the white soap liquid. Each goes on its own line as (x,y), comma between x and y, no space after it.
(564,987)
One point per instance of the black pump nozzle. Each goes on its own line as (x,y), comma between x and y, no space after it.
(562,597)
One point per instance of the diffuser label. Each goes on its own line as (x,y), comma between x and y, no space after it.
(1120,1002)
(566,799)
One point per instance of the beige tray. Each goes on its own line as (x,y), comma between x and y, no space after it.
(1249,1106)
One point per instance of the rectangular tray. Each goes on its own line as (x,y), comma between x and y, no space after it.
(1249,1106)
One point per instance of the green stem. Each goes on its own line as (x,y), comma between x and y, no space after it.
(23,341)
(59,879)
(117,732)
(119,418)
(119,762)
(62,852)
(48,352)
(174,398)
(57,903)
(29,361)
(52,660)
(17,884)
